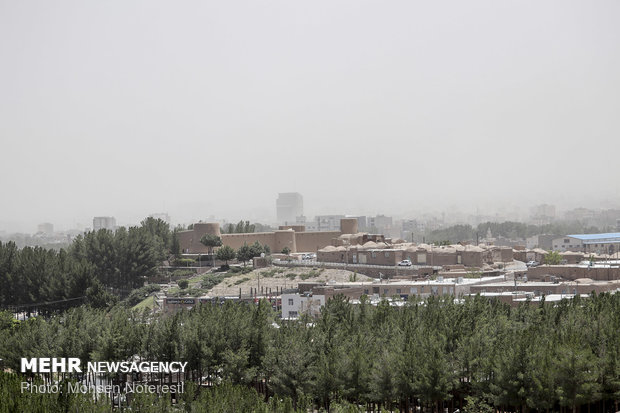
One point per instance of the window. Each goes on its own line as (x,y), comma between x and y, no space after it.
(566,240)
(374,254)
(413,290)
(387,254)
(385,291)
(366,291)
(398,291)
(290,301)
(292,314)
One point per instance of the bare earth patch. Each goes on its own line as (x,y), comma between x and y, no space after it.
(280,277)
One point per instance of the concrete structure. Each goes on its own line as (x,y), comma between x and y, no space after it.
(537,288)
(384,253)
(289,206)
(296,239)
(544,241)
(104,223)
(295,305)
(380,224)
(567,243)
(402,289)
(574,272)
(607,243)
(328,222)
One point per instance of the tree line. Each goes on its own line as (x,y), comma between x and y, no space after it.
(509,229)
(96,266)
(475,354)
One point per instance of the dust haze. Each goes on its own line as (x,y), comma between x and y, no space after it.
(202,108)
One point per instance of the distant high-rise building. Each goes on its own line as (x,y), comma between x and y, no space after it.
(45,228)
(328,222)
(289,206)
(104,223)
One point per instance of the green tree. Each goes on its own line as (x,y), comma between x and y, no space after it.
(211,241)
(552,258)
(225,253)
(244,253)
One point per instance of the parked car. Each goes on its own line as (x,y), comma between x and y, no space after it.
(405,263)
(532,263)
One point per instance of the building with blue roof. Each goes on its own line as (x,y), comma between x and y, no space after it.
(606,243)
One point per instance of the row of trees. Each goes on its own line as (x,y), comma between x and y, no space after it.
(508,229)
(244,227)
(475,354)
(95,263)
(227,253)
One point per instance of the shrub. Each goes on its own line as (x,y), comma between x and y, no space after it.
(140,294)
(183,284)
(211,280)
(182,273)
(184,262)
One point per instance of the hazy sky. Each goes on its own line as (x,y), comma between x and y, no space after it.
(203,108)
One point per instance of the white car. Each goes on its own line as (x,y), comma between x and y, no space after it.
(405,263)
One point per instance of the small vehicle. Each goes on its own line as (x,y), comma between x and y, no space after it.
(532,264)
(405,263)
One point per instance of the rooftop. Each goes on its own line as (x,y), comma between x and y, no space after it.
(608,237)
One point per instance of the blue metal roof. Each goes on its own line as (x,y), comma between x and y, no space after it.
(609,237)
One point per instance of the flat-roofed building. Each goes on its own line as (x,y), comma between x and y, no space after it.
(605,243)
(289,206)
(104,223)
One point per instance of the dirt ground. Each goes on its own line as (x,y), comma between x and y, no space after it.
(279,277)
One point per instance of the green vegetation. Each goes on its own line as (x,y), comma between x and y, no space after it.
(211,241)
(147,303)
(475,355)
(139,294)
(95,269)
(211,280)
(247,252)
(286,250)
(310,274)
(225,253)
(506,229)
(184,262)
(552,258)
(240,270)
(183,284)
(242,280)
(272,272)
(245,227)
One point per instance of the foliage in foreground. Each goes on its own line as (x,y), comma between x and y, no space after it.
(476,354)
